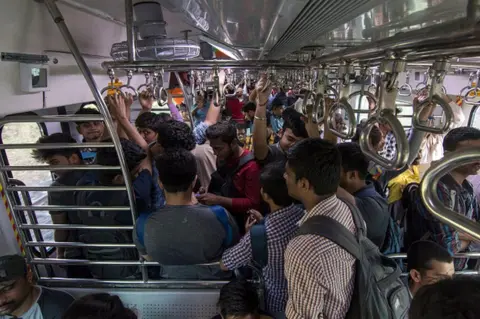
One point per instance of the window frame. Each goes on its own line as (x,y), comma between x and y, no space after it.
(471,117)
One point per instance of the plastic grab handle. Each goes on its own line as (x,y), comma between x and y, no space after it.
(105,89)
(342,103)
(318,110)
(429,195)
(401,158)
(405,90)
(446,109)
(162,91)
(368,94)
(129,87)
(334,92)
(466,96)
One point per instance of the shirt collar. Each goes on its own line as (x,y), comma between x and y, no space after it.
(319,209)
(280,213)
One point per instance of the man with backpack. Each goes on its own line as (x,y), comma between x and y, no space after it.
(333,270)
(264,244)
(372,205)
(235,185)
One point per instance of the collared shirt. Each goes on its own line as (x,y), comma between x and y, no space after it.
(320,274)
(280,227)
(459,198)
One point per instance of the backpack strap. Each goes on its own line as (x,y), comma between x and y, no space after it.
(357,219)
(331,229)
(258,240)
(222,217)
(140,227)
(243,160)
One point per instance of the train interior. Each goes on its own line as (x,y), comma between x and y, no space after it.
(57,56)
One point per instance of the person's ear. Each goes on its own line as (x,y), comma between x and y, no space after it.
(264,195)
(75,159)
(29,275)
(415,275)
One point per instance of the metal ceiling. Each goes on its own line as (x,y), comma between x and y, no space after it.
(273,29)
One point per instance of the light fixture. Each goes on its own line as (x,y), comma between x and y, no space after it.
(231,52)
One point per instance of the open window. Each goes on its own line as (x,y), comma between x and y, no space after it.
(22,133)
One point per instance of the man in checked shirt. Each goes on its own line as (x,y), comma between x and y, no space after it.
(280,226)
(456,193)
(320,274)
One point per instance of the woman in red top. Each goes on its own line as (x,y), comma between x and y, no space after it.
(235,104)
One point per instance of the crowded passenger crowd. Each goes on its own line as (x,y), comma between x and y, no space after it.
(244,193)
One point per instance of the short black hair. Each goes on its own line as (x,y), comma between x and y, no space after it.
(224,130)
(134,154)
(277,106)
(175,134)
(293,120)
(238,298)
(249,106)
(86,111)
(318,161)
(42,155)
(459,134)
(149,120)
(98,306)
(421,254)
(455,298)
(177,169)
(353,159)
(273,183)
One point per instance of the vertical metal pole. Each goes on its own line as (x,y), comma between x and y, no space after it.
(187,98)
(60,22)
(131,38)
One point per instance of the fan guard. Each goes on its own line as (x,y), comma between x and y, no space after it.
(157,49)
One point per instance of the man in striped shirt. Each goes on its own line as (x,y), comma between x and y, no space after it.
(320,274)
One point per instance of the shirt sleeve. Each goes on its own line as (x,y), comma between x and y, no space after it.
(199,132)
(251,190)
(239,255)
(175,112)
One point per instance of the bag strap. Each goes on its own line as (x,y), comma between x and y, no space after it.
(140,227)
(222,217)
(258,241)
(331,229)
(357,219)
(243,160)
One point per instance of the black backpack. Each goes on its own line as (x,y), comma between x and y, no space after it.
(111,236)
(379,292)
(414,224)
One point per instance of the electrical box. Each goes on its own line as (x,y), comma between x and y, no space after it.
(33,77)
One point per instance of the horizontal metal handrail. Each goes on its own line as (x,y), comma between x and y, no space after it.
(58,168)
(72,226)
(59,208)
(62,282)
(65,188)
(42,146)
(77,244)
(51,118)
(472,255)
(85,262)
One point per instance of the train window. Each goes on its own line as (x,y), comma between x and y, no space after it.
(474,120)
(15,133)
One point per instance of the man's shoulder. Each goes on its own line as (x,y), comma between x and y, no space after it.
(53,302)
